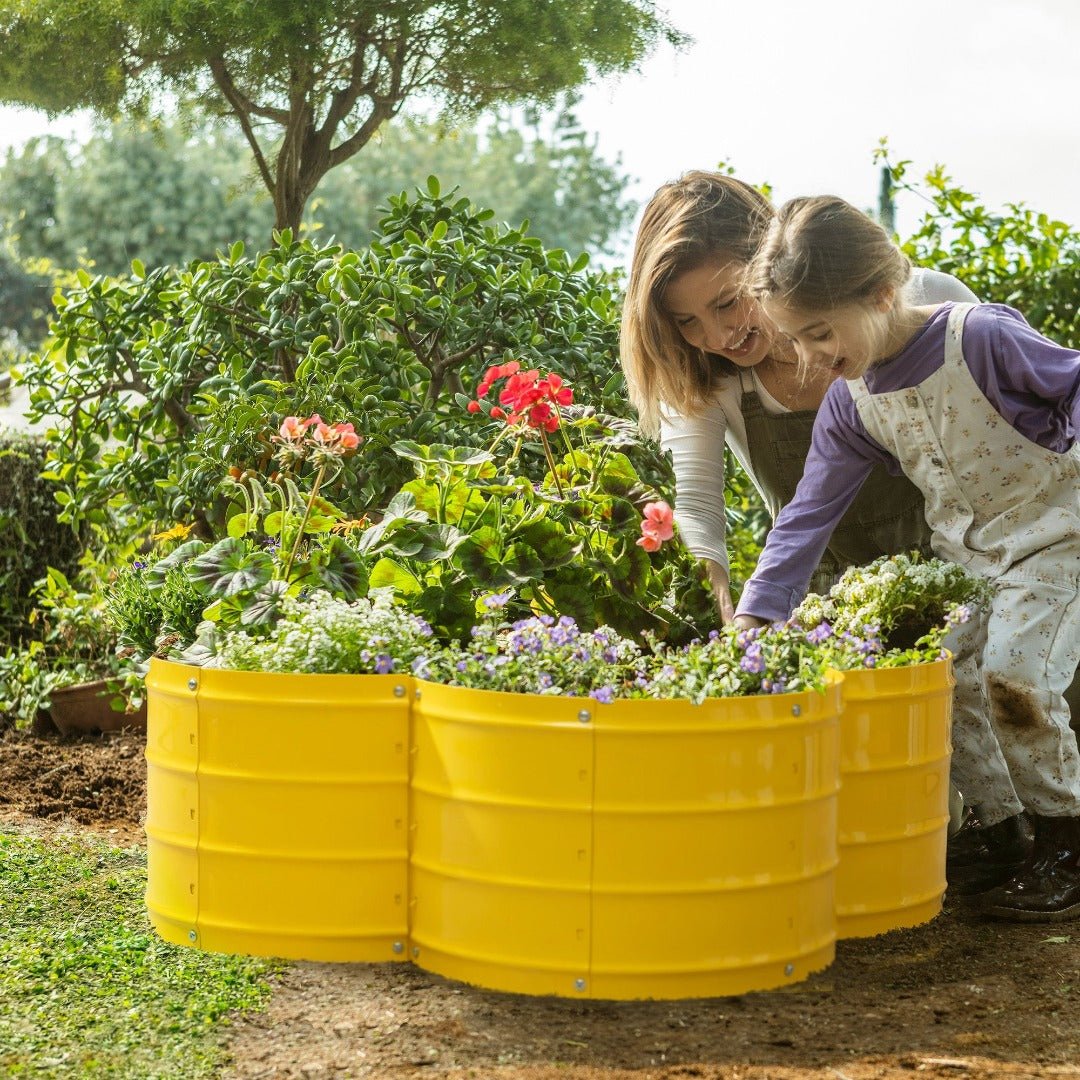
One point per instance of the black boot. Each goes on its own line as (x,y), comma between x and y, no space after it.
(1047,888)
(979,857)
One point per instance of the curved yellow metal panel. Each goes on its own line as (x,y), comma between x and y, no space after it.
(502,838)
(894,797)
(277,812)
(714,832)
(631,850)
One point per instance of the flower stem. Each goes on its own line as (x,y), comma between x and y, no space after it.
(304,521)
(551,462)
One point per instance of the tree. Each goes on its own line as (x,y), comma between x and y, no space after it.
(310,84)
(169,194)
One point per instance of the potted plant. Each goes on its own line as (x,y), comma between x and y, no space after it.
(73,677)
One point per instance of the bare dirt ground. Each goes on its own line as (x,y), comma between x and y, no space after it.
(958,998)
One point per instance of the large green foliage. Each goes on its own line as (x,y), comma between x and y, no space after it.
(310,84)
(165,378)
(1013,255)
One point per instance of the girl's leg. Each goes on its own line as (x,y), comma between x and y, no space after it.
(1029,660)
(979,767)
(1033,645)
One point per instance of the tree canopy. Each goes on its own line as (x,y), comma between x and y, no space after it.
(310,84)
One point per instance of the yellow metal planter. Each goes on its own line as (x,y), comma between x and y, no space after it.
(631,850)
(277,812)
(894,797)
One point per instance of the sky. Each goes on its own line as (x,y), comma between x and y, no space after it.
(798,93)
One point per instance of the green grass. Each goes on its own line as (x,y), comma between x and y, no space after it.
(87,989)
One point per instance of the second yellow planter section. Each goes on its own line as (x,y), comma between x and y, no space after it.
(630,850)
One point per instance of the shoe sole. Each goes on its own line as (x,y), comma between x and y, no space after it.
(1020,915)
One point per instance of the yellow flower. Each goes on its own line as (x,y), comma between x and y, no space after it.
(177,532)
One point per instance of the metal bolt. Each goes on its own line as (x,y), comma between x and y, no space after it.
(584,716)
(417,695)
(796,710)
(192,936)
(399,691)
(415,951)
(789,969)
(579,984)
(193,684)
(398,947)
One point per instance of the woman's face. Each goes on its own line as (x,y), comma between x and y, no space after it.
(712,313)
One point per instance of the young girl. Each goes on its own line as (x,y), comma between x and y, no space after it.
(982,414)
(704,366)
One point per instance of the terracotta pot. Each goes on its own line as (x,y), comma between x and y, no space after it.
(85,709)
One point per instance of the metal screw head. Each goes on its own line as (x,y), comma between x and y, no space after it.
(789,969)
(417,695)
(415,951)
(796,710)
(192,936)
(579,984)
(399,691)
(193,684)
(584,716)
(398,947)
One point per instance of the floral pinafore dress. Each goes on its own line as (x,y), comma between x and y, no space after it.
(1009,510)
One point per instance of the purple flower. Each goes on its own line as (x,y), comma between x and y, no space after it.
(604,694)
(384,664)
(822,632)
(753,661)
(496,600)
(545,680)
(461,665)
(714,634)
(138,564)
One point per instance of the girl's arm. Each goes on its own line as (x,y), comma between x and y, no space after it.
(840,459)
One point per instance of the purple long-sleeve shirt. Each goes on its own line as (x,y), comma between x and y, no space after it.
(1031,382)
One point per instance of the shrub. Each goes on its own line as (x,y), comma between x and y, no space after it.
(30,539)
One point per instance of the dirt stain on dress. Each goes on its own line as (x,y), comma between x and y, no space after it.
(1014,703)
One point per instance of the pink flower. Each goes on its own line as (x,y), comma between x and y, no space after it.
(347,438)
(657,525)
(473,407)
(292,429)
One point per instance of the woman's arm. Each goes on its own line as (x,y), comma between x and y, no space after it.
(696,445)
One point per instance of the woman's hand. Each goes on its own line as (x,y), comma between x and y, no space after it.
(721,587)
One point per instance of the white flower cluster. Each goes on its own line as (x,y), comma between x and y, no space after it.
(323,635)
(901,598)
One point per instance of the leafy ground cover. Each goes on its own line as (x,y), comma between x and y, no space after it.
(86,989)
(958,998)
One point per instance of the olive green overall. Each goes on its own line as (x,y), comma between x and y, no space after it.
(886,518)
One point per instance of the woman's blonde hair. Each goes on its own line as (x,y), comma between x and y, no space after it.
(820,253)
(702,217)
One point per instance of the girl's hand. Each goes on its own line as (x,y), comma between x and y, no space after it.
(749,622)
(721,587)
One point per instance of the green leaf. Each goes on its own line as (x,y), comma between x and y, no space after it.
(387,574)
(228,568)
(241,524)
(433,186)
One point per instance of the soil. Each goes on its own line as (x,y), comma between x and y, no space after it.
(957,998)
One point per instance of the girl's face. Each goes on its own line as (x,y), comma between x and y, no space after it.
(843,342)
(712,313)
